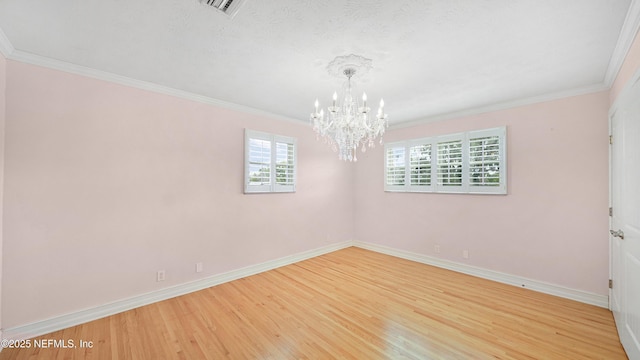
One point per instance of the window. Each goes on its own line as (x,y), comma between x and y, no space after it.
(470,162)
(449,166)
(420,163)
(270,163)
(484,161)
(395,166)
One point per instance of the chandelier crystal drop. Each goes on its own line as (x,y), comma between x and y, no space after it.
(348,124)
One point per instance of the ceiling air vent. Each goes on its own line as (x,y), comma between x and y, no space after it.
(229,7)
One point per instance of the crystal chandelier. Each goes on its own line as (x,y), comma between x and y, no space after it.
(349,124)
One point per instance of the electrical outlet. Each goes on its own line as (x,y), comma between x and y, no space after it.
(160,275)
(465,254)
(436,248)
(198,267)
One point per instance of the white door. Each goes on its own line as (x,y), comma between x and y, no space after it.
(625,222)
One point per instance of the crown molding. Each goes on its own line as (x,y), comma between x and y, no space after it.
(6,48)
(504,105)
(38,60)
(624,92)
(628,33)
(64,66)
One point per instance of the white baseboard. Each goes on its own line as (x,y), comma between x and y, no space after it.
(83,316)
(543,287)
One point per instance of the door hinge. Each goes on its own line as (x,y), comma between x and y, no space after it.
(610,211)
(610,284)
(610,139)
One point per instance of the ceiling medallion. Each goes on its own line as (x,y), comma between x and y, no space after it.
(348,124)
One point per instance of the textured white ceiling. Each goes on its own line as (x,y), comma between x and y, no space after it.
(430,57)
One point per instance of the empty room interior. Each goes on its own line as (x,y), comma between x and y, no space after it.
(342,179)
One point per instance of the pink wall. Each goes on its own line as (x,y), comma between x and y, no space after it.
(629,68)
(106,184)
(552,226)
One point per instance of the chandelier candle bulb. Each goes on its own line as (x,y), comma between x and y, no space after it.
(335,97)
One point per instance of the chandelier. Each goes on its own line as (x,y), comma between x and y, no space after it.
(348,123)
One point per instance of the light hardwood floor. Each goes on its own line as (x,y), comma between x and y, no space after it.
(349,304)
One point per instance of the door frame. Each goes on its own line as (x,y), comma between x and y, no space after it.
(612,111)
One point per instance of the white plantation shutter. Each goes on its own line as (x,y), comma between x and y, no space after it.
(420,163)
(285,165)
(487,161)
(395,167)
(270,163)
(450,163)
(469,162)
(409,166)
(259,162)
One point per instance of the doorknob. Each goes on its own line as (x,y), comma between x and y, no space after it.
(618,233)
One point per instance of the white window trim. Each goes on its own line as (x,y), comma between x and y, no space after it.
(466,187)
(272,187)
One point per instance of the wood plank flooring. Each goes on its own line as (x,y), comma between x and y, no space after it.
(349,304)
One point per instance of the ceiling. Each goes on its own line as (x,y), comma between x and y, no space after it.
(430,58)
